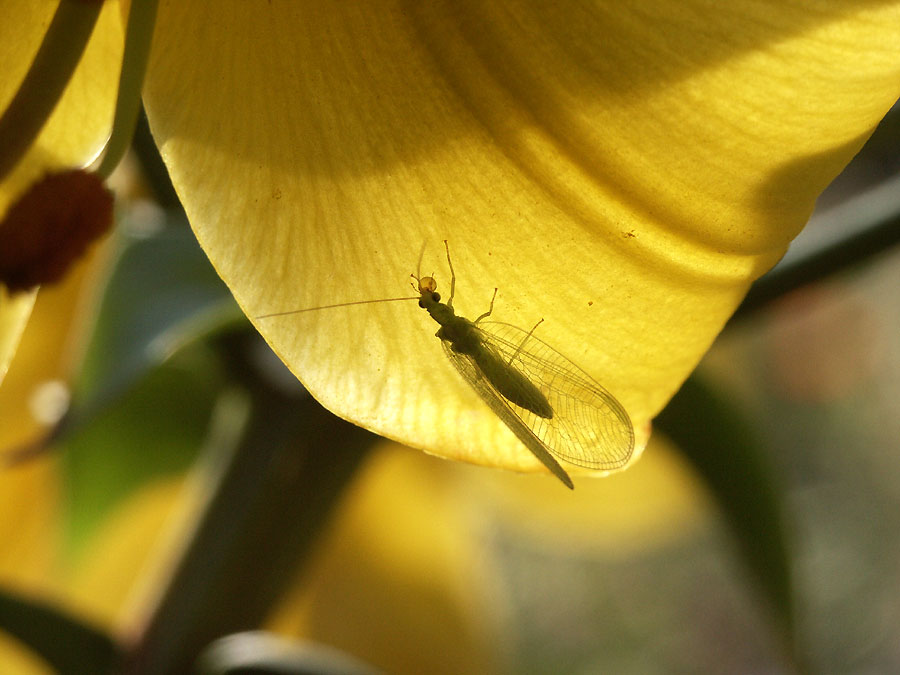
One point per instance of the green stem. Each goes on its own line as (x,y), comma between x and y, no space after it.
(138,39)
(269,498)
(46,79)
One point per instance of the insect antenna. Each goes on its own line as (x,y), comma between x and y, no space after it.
(340,304)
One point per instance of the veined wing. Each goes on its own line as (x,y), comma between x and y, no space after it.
(505,410)
(589,427)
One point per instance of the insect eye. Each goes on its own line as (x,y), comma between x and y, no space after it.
(422,304)
(436,296)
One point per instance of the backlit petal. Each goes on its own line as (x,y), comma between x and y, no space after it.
(622,170)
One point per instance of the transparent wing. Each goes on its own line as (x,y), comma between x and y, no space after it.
(505,410)
(589,427)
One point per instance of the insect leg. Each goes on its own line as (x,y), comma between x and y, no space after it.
(524,340)
(418,274)
(490,309)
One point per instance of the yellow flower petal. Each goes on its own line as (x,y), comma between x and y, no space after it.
(29,492)
(14,313)
(658,501)
(622,172)
(16,658)
(75,131)
(28,527)
(80,123)
(398,581)
(113,579)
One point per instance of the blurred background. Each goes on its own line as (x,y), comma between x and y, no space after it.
(169,482)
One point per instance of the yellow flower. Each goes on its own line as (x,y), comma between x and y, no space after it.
(31,493)
(400,580)
(622,171)
(73,135)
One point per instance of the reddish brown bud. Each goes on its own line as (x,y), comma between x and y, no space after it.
(51,226)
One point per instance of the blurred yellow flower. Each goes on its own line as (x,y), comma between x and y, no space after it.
(659,500)
(30,499)
(399,580)
(75,132)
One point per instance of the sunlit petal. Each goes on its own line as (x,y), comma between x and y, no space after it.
(623,171)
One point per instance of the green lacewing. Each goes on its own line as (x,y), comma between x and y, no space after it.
(554,408)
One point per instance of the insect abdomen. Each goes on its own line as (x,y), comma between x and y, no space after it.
(511,384)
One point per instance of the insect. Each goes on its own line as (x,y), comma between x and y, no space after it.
(554,408)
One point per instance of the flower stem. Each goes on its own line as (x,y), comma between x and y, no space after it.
(274,471)
(138,39)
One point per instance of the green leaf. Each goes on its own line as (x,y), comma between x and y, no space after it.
(272,486)
(721,446)
(152,431)
(67,644)
(161,295)
(143,397)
